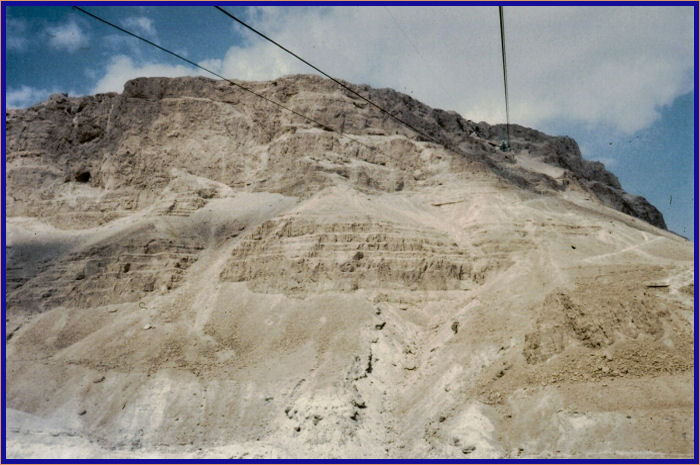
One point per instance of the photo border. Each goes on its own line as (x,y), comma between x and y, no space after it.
(3,445)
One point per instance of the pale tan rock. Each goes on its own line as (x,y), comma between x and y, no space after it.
(315,295)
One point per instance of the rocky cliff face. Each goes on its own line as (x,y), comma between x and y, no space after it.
(123,143)
(193,271)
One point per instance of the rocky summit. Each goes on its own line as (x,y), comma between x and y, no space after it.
(195,272)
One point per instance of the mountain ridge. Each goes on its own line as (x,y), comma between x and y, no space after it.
(478,140)
(193,272)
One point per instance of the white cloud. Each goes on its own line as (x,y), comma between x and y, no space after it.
(213,64)
(68,37)
(611,66)
(140,25)
(600,65)
(122,68)
(16,40)
(25,96)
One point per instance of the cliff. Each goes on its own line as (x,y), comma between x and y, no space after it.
(193,272)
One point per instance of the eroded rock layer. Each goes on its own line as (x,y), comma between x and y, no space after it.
(194,273)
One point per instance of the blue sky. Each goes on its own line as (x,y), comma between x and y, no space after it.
(617,79)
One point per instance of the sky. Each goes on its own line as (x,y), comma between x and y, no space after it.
(619,80)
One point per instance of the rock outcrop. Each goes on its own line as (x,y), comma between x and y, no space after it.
(194,272)
(96,140)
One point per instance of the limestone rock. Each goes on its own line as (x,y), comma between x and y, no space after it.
(210,276)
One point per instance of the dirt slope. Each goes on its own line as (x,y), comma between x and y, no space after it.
(194,273)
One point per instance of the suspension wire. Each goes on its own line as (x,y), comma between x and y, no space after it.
(274,102)
(417,131)
(505,74)
(301,115)
(445,145)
